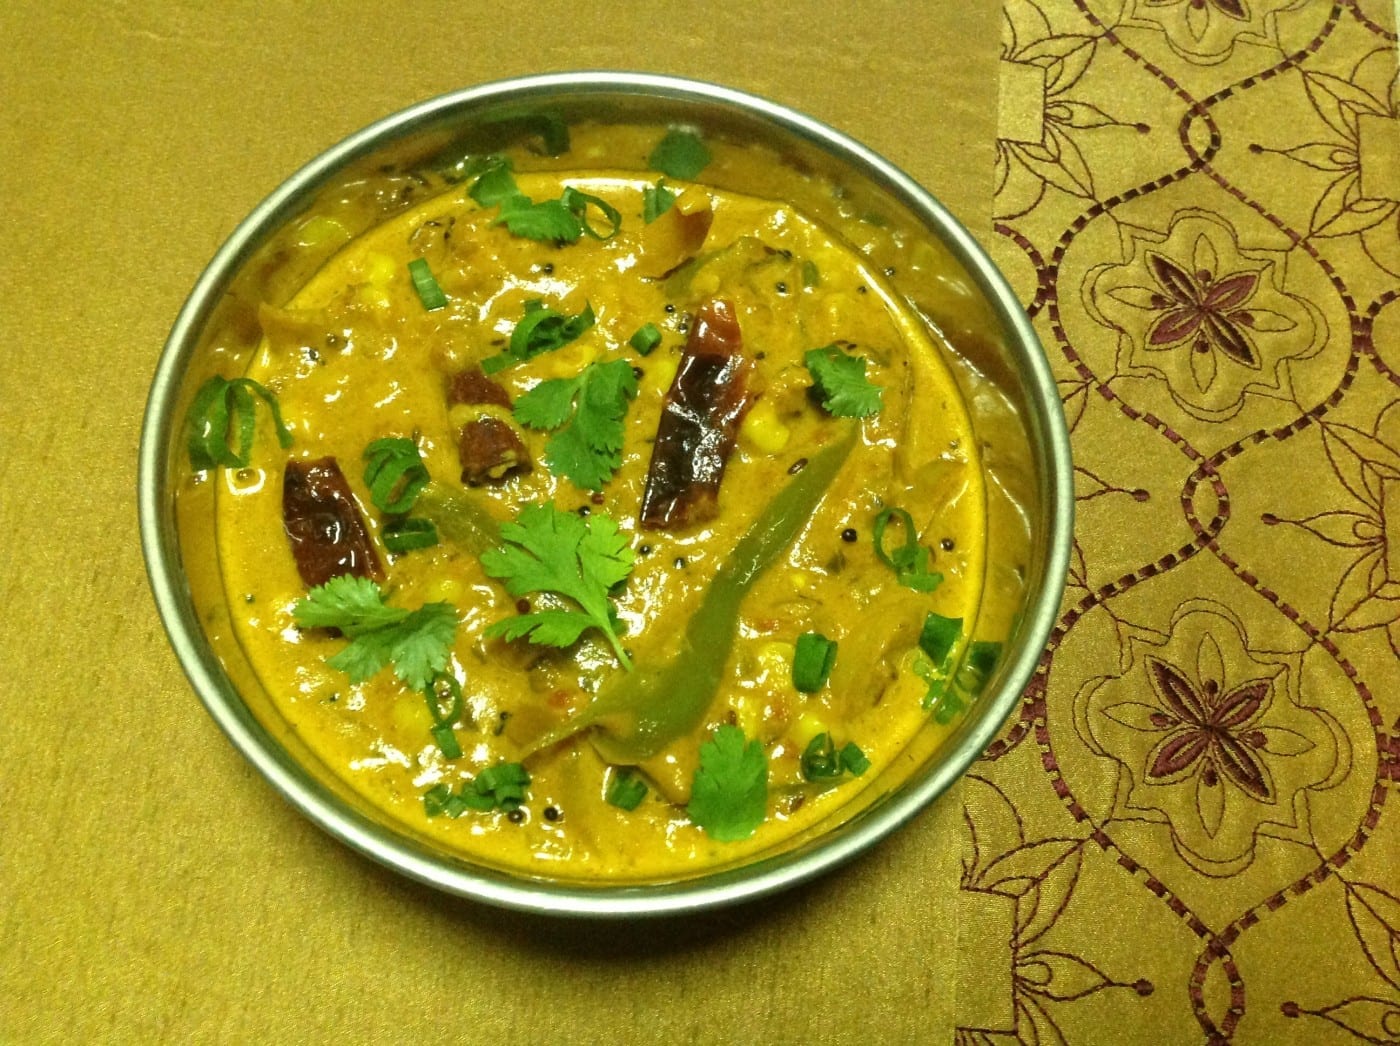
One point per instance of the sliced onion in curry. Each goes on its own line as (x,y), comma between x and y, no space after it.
(673,239)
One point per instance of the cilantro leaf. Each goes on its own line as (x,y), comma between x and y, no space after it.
(546,550)
(495,184)
(551,627)
(548,405)
(548,126)
(588,411)
(841,383)
(680,154)
(656,200)
(349,603)
(729,794)
(910,560)
(559,221)
(417,642)
(547,220)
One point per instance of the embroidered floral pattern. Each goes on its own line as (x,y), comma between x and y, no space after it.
(1042,119)
(1212,736)
(1217,709)
(1209,733)
(1204,309)
(1375,919)
(1204,313)
(1034,882)
(1367,464)
(1206,32)
(1358,156)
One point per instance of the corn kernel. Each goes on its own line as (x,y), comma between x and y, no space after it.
(775,656)
(807,727)
(411,717)
(705,283)
(661,370)
(445,590)
(762,431)
(380,269)
(749,711)
(374,297)
(568,361)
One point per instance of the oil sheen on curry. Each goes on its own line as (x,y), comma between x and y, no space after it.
(601,526)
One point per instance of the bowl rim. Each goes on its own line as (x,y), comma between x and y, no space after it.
(520,892)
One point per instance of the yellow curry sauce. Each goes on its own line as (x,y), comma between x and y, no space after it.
(356,356)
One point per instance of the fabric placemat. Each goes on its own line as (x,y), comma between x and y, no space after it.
(1186,834)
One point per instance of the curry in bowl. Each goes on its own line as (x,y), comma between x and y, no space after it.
(605,522)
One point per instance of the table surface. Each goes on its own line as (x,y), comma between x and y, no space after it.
(1188,832)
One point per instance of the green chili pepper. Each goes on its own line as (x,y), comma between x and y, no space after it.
(643,712)
(460,516)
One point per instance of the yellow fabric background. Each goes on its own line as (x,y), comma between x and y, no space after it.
(153,888)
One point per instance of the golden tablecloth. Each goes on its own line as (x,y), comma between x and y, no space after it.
(1186,833)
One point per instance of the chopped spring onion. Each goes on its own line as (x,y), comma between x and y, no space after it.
(429,293)
(812,661)
(394,473)
(646,339)
(822,760)
(938,636)
(625,790)
(578,203)
(444,698)
(223,408)
(501,787)
(540,329)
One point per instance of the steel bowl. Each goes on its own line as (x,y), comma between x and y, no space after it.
(969,301)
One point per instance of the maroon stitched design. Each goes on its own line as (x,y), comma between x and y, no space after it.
(1222,324)
(1035,879)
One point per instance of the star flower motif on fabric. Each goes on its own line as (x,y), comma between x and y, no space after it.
(1205,32)
(1212,736)
(1208,732)
(1211,317)
(1205,309)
